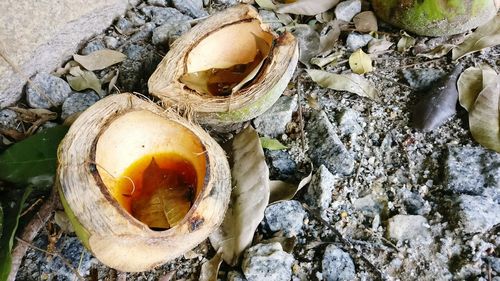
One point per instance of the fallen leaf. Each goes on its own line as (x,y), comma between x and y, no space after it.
(9,226)
(99,59)
(266,4)
(351,82)
(285,19)
(32,159)
(405,43)
(307,7)
(85,80)
(61,71)
(360,62)
(487,35)
(272,144)
(323,61)
(249,197)
(439,105)
(365,22)
(378,46)
(281,190)
(325,17)
(113,80)
(287,244)
(438,52)
(470,84)
(210,269)
(330,37)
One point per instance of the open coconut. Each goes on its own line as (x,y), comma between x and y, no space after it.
(140,185)
(228,69)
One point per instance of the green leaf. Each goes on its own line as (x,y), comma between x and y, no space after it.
(9,231)
(272,144)
(32,160)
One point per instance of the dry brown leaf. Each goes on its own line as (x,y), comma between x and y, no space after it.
(323,61)
(82,79)
(99,59)
(281,190)
(487,35)
(379,46)
(307,7)
(61,71)
(210,269)
(266,4)
(470,84)
(405,43)
(438,52)
(328,40)
(249,197)
(351,82)
(360,62)
(365,22)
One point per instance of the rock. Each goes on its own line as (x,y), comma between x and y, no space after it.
(349,122)
(193,8)
(478,213)
(271,18)
(337,265)
(319,192)
(160,15)
(408,227)
(8,119)
(267,262)
(235,276)
(169,32)
(92,46)
(78,102)
(42,34)
(355,40)
(159,3)
(111,42)
(308,40)
(273,122)
(413,202)
(473,171)
(346,10)
(54,91)
(281,165)
(135,70)
(370,205)
(326,147)
(135,19)
(422,79)
(225,2)
(287,216)
(124,25)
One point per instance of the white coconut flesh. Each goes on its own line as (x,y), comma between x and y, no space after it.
(227,59)
(136,139)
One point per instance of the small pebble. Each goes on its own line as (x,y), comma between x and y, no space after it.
(355,40)
(408,227)
(193,8)
(287,216)
(92,46)
(337,265)
(273,122)
(8,119)
(111,42)
(168,32)
(346,10)
(78,102)
(319,192)
(53,91)
(267,262)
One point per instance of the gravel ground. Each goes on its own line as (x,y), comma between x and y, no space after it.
(412,205)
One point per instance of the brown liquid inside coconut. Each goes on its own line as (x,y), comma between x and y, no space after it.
(158,190)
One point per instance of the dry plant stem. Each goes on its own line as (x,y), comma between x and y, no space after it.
(68,264)
(38,201)
(301,118)
(30,232)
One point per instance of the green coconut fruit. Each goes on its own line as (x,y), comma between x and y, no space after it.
(436,17)
(140,184)
(227,69)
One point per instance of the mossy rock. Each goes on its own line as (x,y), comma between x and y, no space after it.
(436,17)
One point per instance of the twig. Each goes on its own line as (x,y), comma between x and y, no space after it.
(38,201)
(301,118)
(30,232)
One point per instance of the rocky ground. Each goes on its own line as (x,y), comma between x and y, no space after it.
(386,202)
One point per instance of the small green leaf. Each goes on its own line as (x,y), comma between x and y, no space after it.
(33,159)
(9,231)
(272,144)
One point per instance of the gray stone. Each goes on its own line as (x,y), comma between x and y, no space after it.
(111,42)
(92,46)
(168,32)
(308,40)
(235,276)
(267,262)
(346,10)
(319,192)
(8,119)
(473,171)
(495,263)
(478,213)
(281,164)
(39,35)
(370,205)
(50,91)
(413,202)
(273,122)
(270,18)
(422,79)
(135,70)
(325,146)
(124,25)
(355,40)
(160,15)
(137,20)
(78,102)
(349,122)
(287,216)
(226,2)
(159,3)
(408,227)
(337,265)
(193,8)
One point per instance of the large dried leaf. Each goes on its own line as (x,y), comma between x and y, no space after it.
(323,61)
(210,269)
(378,46)
(439,105)
(470,84)
(99,59)
(266,4)
(249,197)
(360,62)
(82,80)
(484,119)
(329,38)
(365,22)
(307,7)
(351,82)
(281,190)
(487,35)
(438,52)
